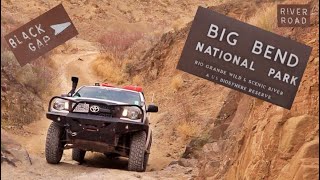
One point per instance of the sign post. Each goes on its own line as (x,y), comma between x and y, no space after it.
(41,35)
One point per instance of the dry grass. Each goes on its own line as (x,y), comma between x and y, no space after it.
(178,24)
(141,46)
(25,75)
(108,68)
(177,82)
(117,42)
(7,20)
(37,76)
(8,59)
(119,52)
(187,129)
(137,80)
(266,18)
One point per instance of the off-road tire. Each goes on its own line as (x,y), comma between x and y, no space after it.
(78,155)
(137,152)
(54,146)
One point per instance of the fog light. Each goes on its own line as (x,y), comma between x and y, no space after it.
(125,113)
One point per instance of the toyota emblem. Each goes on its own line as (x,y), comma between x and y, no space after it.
(94,109)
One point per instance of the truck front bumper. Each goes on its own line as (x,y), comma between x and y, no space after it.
(92,132)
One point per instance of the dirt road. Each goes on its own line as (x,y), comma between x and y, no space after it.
(97,166)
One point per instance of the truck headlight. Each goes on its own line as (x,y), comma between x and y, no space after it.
(131,113)
(60,105)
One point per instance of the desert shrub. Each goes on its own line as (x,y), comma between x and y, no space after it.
(37,76)
(116,42)
(8,24)
(108,68)
(8,19)
(180,23)
(177,82)
(2,147)
(45,75)
(26,75)
(266,18)
(128,68)
(4,45)
(141,46)
(137,80)
(187,129)
(8,59)
(188,112)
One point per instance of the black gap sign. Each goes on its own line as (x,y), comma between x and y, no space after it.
(243,57)
(41,35)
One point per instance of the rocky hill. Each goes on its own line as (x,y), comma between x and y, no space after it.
(203,130)
(241,137)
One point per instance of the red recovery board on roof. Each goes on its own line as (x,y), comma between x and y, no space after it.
(128,87)
(133,88)
(107,85)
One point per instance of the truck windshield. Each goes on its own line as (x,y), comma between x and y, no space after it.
(119,95)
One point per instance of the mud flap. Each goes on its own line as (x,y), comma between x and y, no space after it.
(149,135)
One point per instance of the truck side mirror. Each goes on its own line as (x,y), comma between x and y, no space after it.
(152,108)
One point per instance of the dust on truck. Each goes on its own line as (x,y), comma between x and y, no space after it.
(100,118)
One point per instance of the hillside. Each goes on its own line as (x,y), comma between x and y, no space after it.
(203,130)
(248,137)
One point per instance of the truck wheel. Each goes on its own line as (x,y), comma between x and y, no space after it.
(137,152)
(54,146)
(78,155)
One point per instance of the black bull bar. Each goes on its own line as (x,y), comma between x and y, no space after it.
(92,132)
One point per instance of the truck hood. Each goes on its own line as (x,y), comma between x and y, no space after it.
(95,100)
